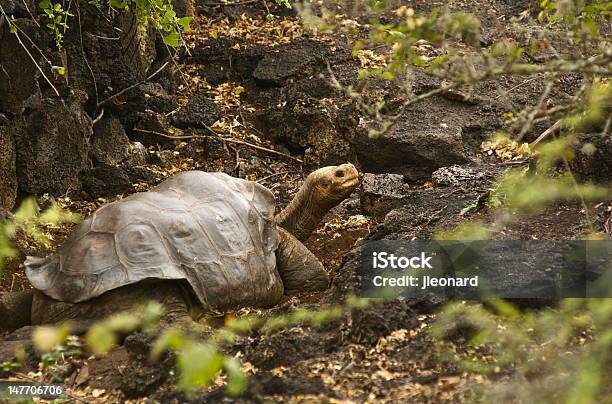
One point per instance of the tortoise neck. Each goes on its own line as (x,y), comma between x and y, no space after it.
(303,214)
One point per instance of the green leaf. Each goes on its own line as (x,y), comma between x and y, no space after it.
(61,70)
(172,39)
(169,15)
(122,322)
(118,4)
(236,379)
(100,339)
(199,364)
(171,339)
(184,23)
(363,73)
(46,338)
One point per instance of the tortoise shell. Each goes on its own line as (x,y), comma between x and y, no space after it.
(215,231)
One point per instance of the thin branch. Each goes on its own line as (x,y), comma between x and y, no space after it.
(539,107)
(98,118)
(607,127)
(267,177)
(546,133)
(18,28)
(234,141)
(133,85)
(25,3)
(505,93)
(232,4)
(106,37)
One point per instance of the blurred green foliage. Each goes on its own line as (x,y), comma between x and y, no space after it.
(33,223)
(553,355)
(199,351)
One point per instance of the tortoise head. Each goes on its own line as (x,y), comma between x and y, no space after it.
(322,190)
(331,185)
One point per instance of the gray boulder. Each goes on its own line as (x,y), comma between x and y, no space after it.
(437,132)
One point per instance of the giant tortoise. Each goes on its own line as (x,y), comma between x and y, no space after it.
(198,239)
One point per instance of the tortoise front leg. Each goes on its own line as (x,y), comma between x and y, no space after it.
(15,310)
(299,269)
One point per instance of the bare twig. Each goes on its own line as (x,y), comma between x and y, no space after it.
(539,107)
(98,118)
(108,38)
(18,28)
(133,85)
(267,177)
(516,87)
(234,141)
(546,133)
(25,4)
(232,4)
(607,127)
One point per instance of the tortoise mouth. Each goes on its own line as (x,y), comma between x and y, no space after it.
(351,182)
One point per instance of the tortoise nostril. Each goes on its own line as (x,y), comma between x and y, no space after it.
(339,173)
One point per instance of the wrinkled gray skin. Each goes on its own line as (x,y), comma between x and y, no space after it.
(199,241)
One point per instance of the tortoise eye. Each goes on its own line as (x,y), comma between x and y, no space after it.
(339,173)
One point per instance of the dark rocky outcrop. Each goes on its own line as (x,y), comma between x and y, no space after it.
(200,112)
(320,130)
(109,144)
(148,125)
(299,58)
(593,160)
(146,98)
(381,193)
(8,179)
(434,133)
(106,180)
(19,77)
(100,67)
(19,8)
(52,145)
